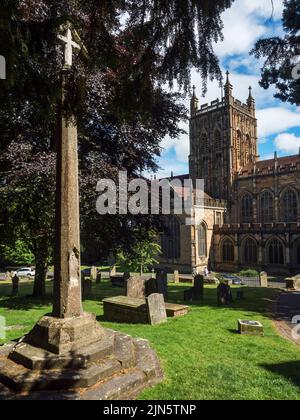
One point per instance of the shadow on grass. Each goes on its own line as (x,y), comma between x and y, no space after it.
(288,370)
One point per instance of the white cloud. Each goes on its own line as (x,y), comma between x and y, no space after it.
(244,23)
(275,120)
(287,143)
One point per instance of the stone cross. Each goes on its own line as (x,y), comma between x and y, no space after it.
(67,284)
(70,44)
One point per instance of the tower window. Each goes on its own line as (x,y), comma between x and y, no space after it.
(218,140)
(204,144)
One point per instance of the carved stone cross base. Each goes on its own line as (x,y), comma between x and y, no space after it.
(53,339)
(115,367)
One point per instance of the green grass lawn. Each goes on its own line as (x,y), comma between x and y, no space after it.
(202,355)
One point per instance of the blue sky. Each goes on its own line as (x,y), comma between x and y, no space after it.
(278,123)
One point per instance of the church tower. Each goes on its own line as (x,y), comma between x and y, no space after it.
(223,139)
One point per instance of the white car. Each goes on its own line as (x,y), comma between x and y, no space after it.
(25,272)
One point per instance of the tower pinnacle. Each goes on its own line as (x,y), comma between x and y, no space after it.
(228,86)
(194,102)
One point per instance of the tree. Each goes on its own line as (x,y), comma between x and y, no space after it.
(282,56)
(143,254)
(115,91)
(17,252)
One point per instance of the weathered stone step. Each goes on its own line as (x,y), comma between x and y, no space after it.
(25,381)
(38,359)
(119,387)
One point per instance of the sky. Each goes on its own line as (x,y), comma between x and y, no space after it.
(278,123)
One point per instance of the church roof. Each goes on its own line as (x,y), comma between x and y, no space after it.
(264,166)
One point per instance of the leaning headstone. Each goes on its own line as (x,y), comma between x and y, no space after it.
(99,278)
(156,309)
(176,276)
(198,287)
(15,285)
(94,272)
(135,288)
(162,283)
(263,279)
(224,294)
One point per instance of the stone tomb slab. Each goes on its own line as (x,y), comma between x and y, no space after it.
(126,310)
(175,310)
(250,328)
(134,311)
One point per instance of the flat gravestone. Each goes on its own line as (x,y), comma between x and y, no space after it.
(250,328)
(135,288)
(156,309)
(198,287)
(263,279)
(162,283)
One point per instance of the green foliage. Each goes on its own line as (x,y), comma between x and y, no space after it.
(281,55)
(249,272)
(142,255)
(116,92)
(17,253)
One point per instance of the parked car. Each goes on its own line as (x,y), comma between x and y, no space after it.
(25,272)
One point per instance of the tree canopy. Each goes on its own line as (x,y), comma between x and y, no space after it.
(117,92)
(282,55)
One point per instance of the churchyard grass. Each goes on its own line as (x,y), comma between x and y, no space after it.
(202,355)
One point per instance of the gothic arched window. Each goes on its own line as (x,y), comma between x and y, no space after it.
(239,145)
(250,251)
(267,207)
(218,140)
(227,250)
(247,208)
(248,149)
(204,144)
(290,206)
(171,242)
(202,243)
(276,252)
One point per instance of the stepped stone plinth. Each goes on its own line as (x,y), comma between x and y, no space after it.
(111,366)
